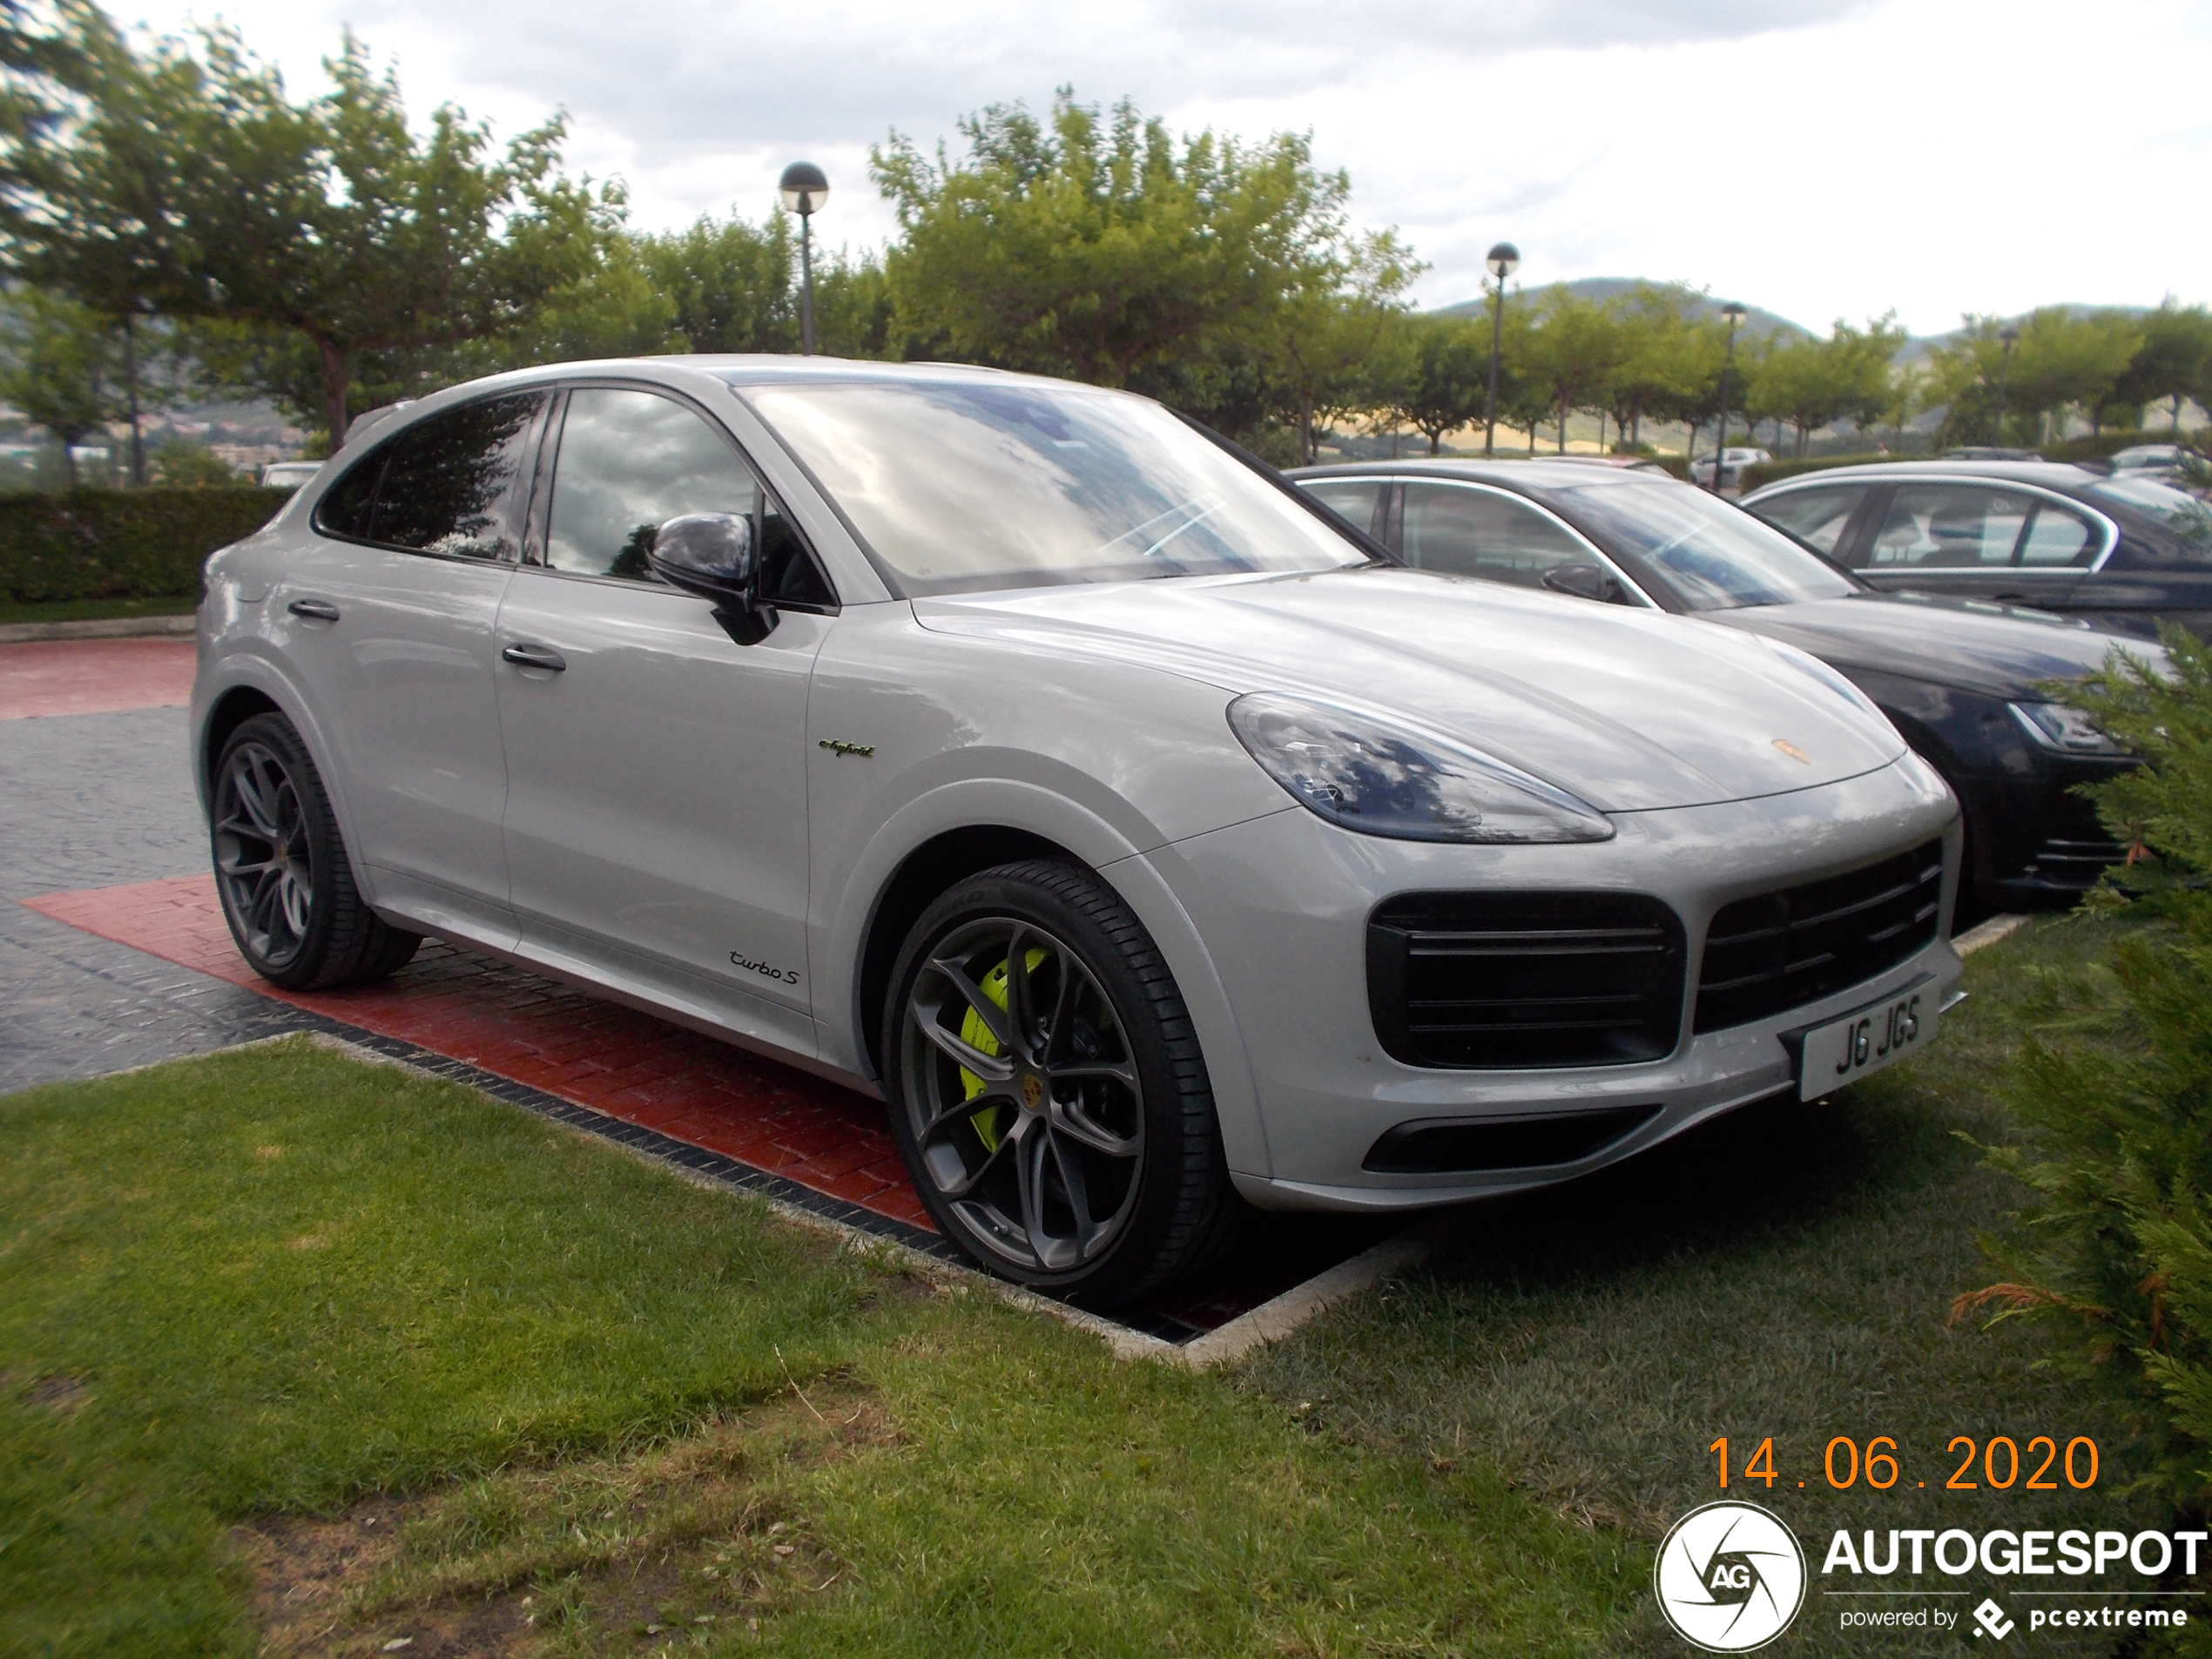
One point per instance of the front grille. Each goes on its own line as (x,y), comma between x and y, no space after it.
(1499,981)
(1782,950)
(2064,861)
(1469,1147)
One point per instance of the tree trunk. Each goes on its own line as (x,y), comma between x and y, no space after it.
(1636,427)
(1306,428)
(1435,439)
(1562,423)
(337,380)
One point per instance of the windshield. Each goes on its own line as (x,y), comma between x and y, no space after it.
(1717,557)
(959,486)
(2182,516)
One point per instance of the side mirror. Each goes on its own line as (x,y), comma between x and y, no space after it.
(712,556)
(1585,582)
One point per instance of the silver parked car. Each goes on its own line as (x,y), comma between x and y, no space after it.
(1149,838)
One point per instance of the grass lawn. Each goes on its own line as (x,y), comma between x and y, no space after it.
(298,1349)
(96,610)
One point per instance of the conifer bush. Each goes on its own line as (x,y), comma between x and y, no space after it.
(2113,1093)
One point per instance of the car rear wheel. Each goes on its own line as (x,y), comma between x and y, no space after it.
(281,870)
(1048,1091)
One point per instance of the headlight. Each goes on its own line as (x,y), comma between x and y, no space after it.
(1370,774)
(2064,730)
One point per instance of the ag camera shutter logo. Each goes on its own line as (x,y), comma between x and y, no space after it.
(1729,1577)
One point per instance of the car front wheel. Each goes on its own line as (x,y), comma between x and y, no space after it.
(281,871)
(1048,1091)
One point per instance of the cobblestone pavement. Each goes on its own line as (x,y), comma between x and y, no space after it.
(90,801)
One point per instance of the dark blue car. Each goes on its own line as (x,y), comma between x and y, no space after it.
(2116,548)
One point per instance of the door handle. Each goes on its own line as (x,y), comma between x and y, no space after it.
(535,656)
(320,609)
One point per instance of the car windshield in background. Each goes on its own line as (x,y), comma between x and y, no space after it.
(957,487)
(1718,557)
(2184,518)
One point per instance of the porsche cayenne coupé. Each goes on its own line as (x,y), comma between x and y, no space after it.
(1152,842)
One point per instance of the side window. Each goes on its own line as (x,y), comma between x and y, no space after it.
(1815,516)
(348,506)
(629,462)
(1355,499)
(1482,533)
(449,483)
(1955,527)
(2057,537)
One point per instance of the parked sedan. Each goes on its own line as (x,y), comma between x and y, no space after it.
(1148,837)
(1733,463)
(1959,678)
(2118,548)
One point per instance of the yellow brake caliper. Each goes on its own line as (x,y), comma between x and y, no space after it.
(972,1030)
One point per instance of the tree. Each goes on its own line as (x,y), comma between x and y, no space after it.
(1661,361)
(1809,382)
(2058,358)
(1572,351)
(61,366)
(2174,360)
(1447,377)
(1104,250)
(188,178)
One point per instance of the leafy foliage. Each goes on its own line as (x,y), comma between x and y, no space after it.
(2114,1249)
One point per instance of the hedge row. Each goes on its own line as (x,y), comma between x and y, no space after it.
(1768,472)
(121,543)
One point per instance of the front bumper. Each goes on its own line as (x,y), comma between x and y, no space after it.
(1284,902)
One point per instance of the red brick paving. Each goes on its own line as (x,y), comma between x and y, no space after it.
(48,677)
(536,1031)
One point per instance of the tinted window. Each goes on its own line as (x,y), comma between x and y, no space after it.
(1482,533)
(2058,537)
(1716,557)
(2184,518)
(1815,516)
(1955,527)
(348,506)
(629,462)
(1354,499)
(449,481)
(957,486)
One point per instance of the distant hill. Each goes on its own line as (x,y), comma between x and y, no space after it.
(1757,322)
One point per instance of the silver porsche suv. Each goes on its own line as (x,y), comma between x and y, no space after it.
(1147,838)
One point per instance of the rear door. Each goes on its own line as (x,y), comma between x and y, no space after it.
(389,615)
(1989,540)
(656,822)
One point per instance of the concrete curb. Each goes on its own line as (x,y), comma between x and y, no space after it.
(1988,933)
(17,633)
(1273,1321)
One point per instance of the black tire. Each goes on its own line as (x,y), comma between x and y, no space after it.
(281,869)
(1016,1158)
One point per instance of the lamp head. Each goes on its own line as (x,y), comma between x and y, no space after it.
(1503,260)
(805,187)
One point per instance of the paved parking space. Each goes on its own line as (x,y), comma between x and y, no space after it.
(47,677)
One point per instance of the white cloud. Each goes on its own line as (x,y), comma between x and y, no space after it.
(1818,156)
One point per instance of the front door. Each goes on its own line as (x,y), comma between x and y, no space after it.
(656,819)
(388,615)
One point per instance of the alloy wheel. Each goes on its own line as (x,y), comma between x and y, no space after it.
(1026,1105)
(264,865)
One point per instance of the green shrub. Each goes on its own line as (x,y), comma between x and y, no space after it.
(2111,444)
(120,543)
(1772,472)
(2113,1093)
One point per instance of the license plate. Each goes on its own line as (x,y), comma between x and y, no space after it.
(1845,1050)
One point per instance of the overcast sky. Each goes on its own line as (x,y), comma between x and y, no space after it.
(1820,157)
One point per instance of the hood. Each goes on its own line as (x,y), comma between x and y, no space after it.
(1630,711)
(1995,650)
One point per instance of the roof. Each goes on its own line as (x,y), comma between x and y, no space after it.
(1555,472)
(2051,475)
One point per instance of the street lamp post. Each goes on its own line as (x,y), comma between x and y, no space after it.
(1503,260)
(1733,312)
(805,188)
(2008,338)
